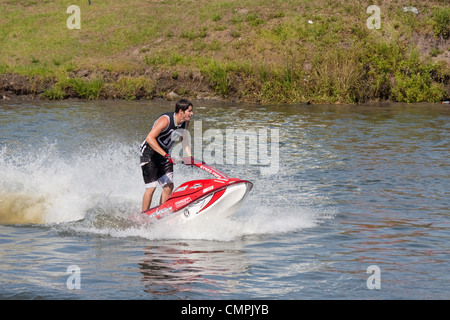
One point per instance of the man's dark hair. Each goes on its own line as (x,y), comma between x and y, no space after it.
(183,104)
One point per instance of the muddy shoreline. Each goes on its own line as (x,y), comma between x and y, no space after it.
(186,84)
(191,85)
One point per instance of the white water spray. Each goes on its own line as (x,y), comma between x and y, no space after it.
(97,191)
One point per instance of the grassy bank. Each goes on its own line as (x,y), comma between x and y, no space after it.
(267,51)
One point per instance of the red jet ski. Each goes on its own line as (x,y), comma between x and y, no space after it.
(220,196)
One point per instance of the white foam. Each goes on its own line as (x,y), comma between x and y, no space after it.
(99,191)
(70,186)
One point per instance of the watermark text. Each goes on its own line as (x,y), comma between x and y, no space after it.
(374,280)
(74,21)
(258,147)
(74,280)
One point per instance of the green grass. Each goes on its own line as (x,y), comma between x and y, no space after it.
(441,22)
(85,89)
(260,50)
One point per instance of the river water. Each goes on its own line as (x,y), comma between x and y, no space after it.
(354,204)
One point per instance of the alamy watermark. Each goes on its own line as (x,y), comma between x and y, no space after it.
(374,280)
(74,280)
(74,21)
(258,147)
(374,21)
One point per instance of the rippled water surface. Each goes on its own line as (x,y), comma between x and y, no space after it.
(352,187)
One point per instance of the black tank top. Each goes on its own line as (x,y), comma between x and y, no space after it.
(165,139)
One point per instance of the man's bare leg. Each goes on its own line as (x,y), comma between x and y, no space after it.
(166,192)
(147,199)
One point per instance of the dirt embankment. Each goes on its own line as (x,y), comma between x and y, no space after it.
(164,85)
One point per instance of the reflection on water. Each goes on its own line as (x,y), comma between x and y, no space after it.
(174,268)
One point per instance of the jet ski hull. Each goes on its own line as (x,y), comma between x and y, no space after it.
(208,198)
